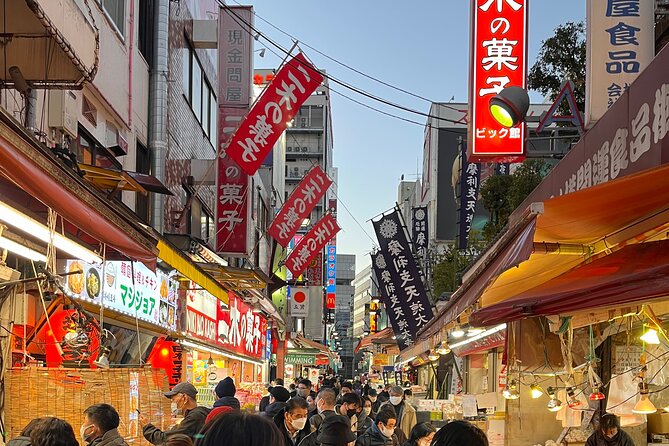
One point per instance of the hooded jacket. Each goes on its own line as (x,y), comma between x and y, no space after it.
(191,424)
(374,437)
(110,438)
(622,438)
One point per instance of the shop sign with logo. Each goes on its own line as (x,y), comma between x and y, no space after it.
(300,359)
(126,287)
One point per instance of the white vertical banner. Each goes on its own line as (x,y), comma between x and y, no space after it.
(299,301)
(620,43)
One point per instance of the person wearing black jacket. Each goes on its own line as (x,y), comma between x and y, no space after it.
(225,391)
(277,401)
(382,432)
(101,426)
(183,400)
(292,421)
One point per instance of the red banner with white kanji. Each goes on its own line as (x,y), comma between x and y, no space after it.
(270,115)
(299,205)
(311,244)
(498,60)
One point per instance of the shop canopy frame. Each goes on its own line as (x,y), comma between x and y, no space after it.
(383,337)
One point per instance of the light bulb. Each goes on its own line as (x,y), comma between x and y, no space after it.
(443,348)
(554,405)
(572,402)
(650,337)
(536,391)
(510,392)
(457,332)
(433,355)
(596,395)
(644,405)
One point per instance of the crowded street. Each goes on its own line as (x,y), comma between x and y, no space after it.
(283,223)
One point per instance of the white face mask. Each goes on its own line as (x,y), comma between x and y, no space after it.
(82,432)
(388,432)
(299,423)
(366,411)
(395,400)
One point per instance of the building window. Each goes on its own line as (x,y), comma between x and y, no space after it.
(89,151)
(146,29)
(196,87)
(185,72)
(115,9)
(213,120)
(143,165)
(200,95)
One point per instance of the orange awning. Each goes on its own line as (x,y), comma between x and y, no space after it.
(384,336)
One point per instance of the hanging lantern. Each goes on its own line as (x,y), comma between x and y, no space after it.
(644,405)
(572,402)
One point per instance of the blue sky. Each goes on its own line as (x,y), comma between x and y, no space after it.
(422,47)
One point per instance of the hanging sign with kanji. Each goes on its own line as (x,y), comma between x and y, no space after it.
(470,179)
(299,205)
(419,232)
(311,244)
(270,115)
(498,60)
(405,297)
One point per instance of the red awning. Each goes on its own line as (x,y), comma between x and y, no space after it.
(633,274)
(36,172)
(384,336)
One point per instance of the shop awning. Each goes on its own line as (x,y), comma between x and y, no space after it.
(113,180)
(178,260)
(33,168)
(306,343)
(384,336)
(237,279)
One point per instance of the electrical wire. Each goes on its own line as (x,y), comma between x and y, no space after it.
(247,26)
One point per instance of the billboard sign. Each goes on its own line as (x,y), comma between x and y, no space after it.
(498,60)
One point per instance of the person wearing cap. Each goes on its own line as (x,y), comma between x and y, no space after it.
(183,402)
(335,431)
(277,401)
(225,391)
(376,401)
(609,433)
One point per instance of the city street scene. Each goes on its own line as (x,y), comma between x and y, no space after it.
(334,223)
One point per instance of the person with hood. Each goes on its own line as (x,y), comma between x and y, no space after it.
(292,421)
(278,396)
(101,426)
(460,433)
(225,391)
(183,397)
(382,432)
(406,414)
(336,431)
(365,417)
(609,433)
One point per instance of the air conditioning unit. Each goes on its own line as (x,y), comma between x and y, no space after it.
(289,149)
(303,122)
(63,111)
(305,149)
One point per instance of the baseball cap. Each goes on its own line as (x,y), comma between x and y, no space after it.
(183,387)
(280,393)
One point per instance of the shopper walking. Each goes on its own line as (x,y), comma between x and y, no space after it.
(50,431)
(292,421)
(336,431)
(278,396)
(241,429)
(183,401)
(382,432)
(406,414)
(101,426)
(421,435)
(460,433)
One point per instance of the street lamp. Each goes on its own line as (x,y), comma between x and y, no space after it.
(509,107)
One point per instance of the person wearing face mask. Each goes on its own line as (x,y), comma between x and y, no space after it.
(349,407)
(406,414)
(325,405)
(421,435)
(381,433)
(365,417)
(609,433)
(292,421)
(183,403)
(100,427)
(303,388)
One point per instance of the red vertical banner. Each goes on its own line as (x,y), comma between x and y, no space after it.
(311,244)
(235,70)
(498,60)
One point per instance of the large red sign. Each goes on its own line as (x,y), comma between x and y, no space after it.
(232,207)
(299,205)
(311,244)
(498,60)
(270,115)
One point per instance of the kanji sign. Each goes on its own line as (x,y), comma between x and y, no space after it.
(299,205)
(311,244)
(240,329)
(299,306)
(470,179)
(331,284)
(405,297)
(498,60)
(419,233)
(270,115)
(235,70)
(620,43)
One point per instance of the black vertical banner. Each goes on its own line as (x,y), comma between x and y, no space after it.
(399,279)
(419,232)
(470,177)
(502,168)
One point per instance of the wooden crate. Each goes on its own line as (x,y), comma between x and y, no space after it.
(65,393)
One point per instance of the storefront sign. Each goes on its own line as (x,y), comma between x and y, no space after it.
(314,273)
(299,306)
(620,43)
(240,329)
(498,60)
(152,297)
(629,138)
(311,244)
(235,70)
(300,359)
(470,178)
(299,205)
(201,310)
(272,112)
(331,289)
(400,281)
(419,233)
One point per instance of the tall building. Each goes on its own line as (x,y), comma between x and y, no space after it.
(342,319)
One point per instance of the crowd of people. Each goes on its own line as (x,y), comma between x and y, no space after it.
(339,414)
